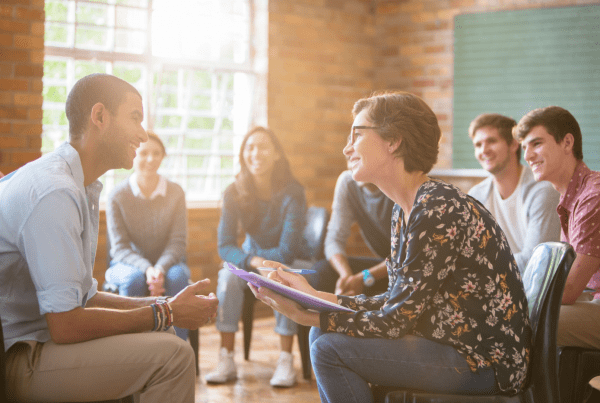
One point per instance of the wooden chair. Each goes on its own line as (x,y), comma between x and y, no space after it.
(544,282)
(314,236)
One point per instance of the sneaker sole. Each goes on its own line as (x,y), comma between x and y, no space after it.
(230,379)
(283,386)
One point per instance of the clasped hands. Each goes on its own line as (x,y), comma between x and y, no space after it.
(350,285)
(155,279)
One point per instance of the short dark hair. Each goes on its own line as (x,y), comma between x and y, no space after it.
(404,116)
(504,124)
(557,121)
(90,90)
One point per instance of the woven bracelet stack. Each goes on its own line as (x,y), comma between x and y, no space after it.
(163,315)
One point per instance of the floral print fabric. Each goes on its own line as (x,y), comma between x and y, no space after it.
(453,280)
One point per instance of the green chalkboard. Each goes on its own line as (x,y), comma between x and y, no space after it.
(511,62)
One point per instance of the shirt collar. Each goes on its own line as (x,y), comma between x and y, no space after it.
(73,160)
(568,200)
(161,187)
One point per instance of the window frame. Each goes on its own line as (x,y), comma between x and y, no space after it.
(152,66)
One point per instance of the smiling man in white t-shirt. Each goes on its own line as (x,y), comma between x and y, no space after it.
(525,209)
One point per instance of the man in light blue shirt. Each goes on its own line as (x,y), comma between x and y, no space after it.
(65,340)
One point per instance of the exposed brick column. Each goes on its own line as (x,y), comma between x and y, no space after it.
(321,60)
(21,71)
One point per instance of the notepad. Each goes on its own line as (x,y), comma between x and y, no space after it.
(305,300)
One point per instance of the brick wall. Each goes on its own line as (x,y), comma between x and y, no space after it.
(415,50)
(21,70)
(323,55)
(321,60)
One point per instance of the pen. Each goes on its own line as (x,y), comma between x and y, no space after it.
(299,271)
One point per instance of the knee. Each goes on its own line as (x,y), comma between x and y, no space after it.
(179,353)
(314,334)
(134,285)
(228,282)
(320,346)
(177,278)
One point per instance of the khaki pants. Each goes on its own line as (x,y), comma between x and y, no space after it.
(154,367)
(579,324)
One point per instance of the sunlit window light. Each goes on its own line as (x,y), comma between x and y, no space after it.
(190,59)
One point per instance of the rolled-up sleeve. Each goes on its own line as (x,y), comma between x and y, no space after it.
(52,240)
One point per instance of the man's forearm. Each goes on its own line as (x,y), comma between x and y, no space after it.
(83,324)
(583,268)
(109,300)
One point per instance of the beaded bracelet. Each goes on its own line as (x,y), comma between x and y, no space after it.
(159,318)
(168,311)
(163,314)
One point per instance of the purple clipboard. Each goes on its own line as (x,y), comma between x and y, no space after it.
(305,300)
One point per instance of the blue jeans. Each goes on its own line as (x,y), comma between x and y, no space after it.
(345,365)
(230,292)
(132,283)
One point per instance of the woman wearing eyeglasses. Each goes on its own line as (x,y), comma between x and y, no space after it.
(454,318)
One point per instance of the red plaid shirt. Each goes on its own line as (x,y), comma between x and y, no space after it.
(579,212)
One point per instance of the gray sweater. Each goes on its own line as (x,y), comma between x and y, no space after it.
(146,233)
(540,200)
(355,203)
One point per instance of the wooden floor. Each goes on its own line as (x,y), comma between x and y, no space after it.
(252,384)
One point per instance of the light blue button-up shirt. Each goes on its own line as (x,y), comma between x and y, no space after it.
(48,239)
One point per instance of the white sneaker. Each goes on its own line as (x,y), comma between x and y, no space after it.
(284,375)
(225,371)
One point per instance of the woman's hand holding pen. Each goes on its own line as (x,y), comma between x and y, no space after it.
(287,278)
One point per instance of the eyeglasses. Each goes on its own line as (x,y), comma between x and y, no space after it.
(351,135)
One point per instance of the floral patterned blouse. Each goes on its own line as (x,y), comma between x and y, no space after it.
(453,280)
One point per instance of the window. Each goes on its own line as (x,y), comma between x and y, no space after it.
(190,59)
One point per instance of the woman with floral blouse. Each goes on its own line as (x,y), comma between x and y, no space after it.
(454,317)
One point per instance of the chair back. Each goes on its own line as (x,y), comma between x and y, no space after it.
(544,281)
(314,233)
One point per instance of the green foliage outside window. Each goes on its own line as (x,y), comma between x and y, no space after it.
(55,94)
(201,123)
(56,11)
(84,68)
(91,14)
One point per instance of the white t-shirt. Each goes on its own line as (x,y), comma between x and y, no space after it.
(509,213)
